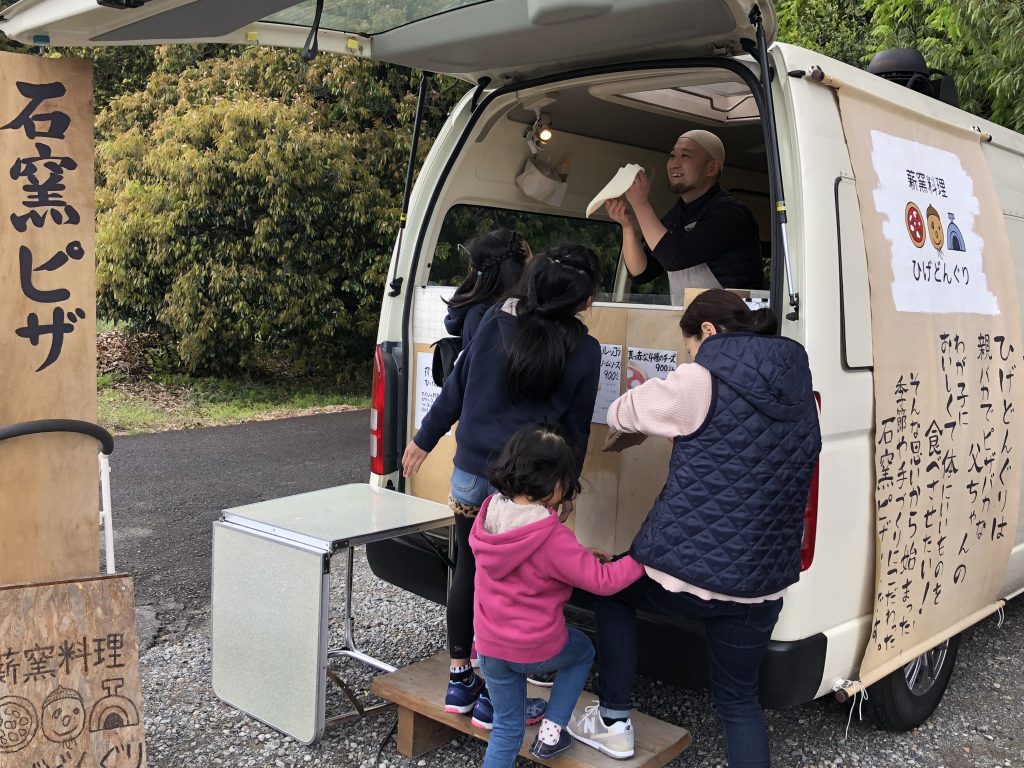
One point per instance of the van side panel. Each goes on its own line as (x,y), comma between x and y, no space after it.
(834,595)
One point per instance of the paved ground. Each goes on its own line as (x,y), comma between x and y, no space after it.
(168,488)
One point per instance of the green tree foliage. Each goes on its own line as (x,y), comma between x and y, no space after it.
(979,42)
(837,28)
(247,208)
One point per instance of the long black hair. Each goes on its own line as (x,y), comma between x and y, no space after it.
(728,313)
(534,462)
(556,286)
(496,264)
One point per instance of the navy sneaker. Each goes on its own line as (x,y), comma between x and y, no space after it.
(543,751)
(483,712)
(462,697)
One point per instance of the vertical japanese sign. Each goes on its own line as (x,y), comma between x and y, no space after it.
(48,483)
(70,692)
(947,345)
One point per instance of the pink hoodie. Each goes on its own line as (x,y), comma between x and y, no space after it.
(523,578)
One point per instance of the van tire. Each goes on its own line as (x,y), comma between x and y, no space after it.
(897,705)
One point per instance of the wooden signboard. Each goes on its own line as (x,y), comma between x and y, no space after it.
(48,483)
(70,693)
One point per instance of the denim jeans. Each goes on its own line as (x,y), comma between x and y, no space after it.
(471,490)
(506,683)
(737,636)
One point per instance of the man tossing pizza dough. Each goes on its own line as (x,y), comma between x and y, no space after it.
(708,239)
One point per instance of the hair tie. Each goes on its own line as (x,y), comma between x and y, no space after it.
(559,262)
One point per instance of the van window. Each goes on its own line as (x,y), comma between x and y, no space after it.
(362,17)
(464,222)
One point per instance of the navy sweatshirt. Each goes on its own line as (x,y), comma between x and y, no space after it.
(463,321)
(476,395)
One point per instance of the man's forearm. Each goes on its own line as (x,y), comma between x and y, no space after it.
(650,225)
(633,251)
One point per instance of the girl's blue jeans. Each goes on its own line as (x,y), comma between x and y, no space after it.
(506,684)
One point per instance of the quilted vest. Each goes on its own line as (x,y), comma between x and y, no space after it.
(730,517)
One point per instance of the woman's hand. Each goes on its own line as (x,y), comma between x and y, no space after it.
(412,459)
(618,212)
(564,510)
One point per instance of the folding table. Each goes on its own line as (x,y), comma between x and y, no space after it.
(271,597)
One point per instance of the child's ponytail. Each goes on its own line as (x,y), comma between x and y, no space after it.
(557,286)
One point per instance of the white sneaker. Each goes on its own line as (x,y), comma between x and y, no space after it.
(615,740)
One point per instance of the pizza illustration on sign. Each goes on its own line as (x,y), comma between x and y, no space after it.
(915,224)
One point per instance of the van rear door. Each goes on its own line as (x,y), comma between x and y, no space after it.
(503,40)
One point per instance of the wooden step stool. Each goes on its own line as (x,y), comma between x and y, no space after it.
(423,725)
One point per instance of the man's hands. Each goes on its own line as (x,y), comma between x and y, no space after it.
(412,459)
(639,190)
(618,211)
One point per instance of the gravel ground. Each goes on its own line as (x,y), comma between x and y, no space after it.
(978,725)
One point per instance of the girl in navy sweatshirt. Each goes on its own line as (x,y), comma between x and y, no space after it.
(531,361)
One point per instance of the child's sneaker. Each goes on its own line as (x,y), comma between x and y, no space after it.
(462,697)
(483,712)
(543,751)
(615,740)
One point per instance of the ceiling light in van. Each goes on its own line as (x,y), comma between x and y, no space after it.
(723,103)
(540,133)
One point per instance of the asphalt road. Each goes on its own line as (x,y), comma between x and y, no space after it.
(168,488)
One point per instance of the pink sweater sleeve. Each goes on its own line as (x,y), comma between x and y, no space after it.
(670,407)
(575,565)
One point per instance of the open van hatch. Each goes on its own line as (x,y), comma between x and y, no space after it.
(504,40)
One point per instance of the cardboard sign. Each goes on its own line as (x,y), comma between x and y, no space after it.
(947,347)
(70,693)
(48,483)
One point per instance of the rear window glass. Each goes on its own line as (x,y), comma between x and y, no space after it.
(464,222)
(366,18)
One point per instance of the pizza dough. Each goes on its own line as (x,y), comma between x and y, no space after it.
(617,187)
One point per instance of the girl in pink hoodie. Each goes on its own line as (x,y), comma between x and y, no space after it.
(527,563)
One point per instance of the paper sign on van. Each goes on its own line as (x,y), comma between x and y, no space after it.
(930,207)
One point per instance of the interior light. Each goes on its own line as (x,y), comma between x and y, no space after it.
(540,133)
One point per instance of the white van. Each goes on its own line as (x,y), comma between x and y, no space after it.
(618,81)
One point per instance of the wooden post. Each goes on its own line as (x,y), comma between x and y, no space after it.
(49,501)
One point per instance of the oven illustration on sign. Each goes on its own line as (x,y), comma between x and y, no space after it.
(113,710)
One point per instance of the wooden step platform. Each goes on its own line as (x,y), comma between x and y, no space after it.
(423,725)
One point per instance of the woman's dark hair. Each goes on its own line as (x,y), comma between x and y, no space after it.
(555,287)
(536,460)
(728,313)
(496,264)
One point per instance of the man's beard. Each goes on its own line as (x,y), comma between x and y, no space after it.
(679,187)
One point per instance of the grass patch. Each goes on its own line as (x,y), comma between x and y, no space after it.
(132,406)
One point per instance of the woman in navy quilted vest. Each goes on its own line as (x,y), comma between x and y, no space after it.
(722,542)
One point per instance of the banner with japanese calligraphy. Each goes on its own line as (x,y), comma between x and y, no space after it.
(70,691)
(49,503)
(947,341)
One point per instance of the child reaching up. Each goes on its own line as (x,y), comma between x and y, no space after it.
(527,563)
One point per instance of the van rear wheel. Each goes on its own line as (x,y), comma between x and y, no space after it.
(907,697)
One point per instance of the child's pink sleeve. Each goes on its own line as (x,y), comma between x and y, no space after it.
(575,565)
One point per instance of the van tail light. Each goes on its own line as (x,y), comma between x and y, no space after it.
(377,413)
(811,513)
